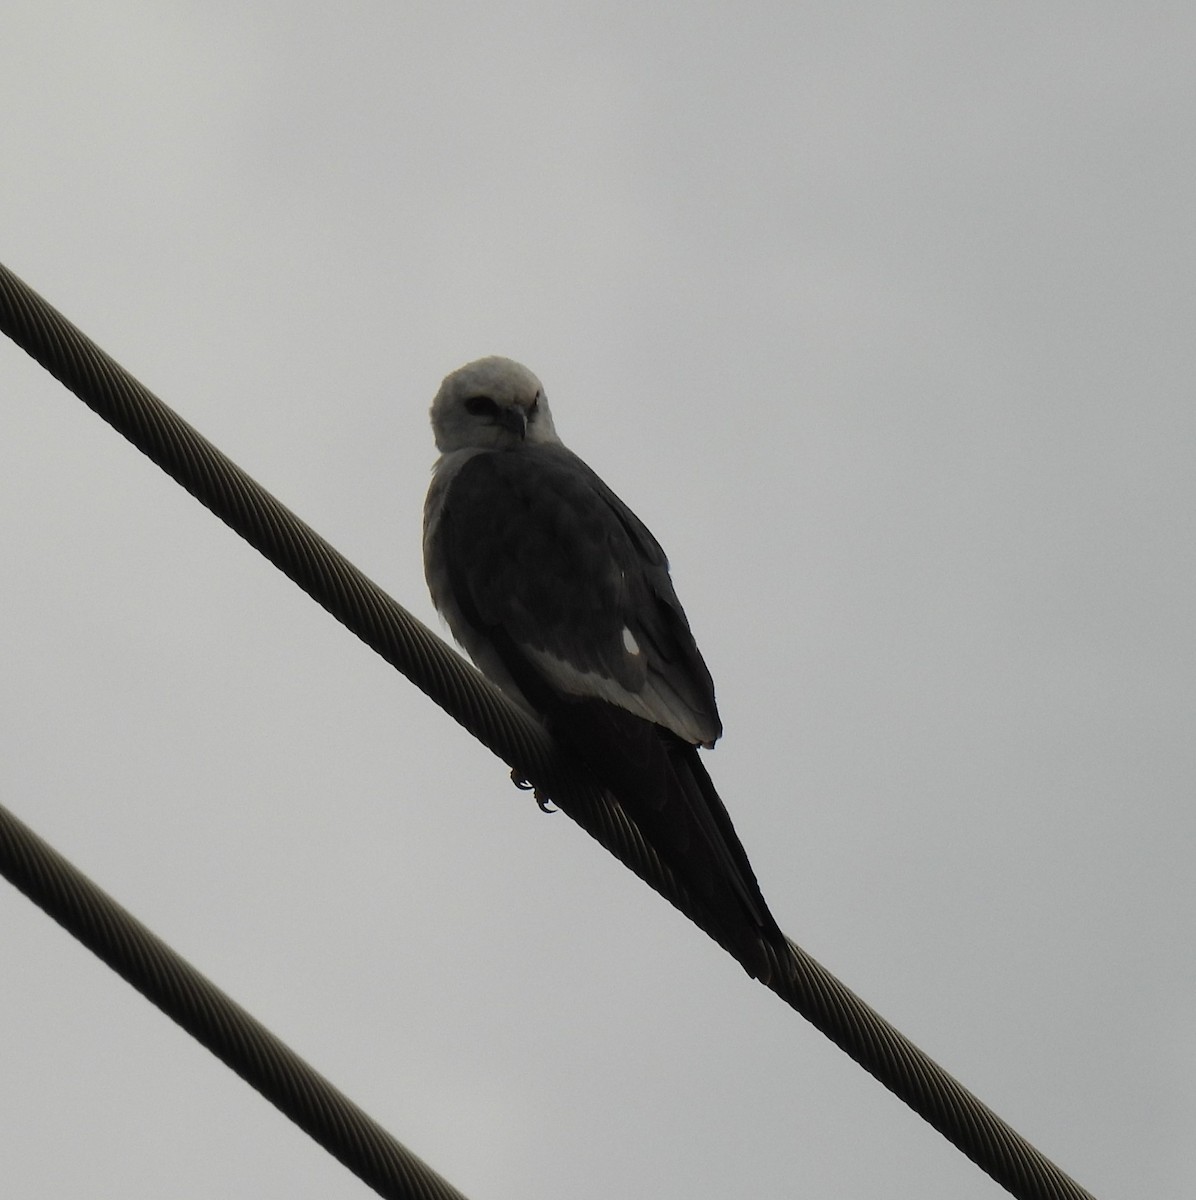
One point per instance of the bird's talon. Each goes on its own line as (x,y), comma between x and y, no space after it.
(525,785)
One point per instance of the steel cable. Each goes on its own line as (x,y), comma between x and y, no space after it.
(215,1020)
(517,739)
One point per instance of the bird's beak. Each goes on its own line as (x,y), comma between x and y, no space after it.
(514,420)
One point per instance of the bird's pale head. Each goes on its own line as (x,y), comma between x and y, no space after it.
(491,404)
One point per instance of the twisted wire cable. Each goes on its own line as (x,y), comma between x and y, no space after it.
(215,1020)
(506,730)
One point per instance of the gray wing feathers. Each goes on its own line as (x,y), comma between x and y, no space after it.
(535,545)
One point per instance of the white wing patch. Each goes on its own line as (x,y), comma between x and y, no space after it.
(629,643)
(656,701)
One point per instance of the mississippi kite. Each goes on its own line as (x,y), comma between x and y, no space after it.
(563,598)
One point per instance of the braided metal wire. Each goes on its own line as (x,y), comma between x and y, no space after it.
(517,739)
(218,1022)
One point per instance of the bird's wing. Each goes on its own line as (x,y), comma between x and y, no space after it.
(545,562)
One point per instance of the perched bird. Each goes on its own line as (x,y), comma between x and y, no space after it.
(563,599)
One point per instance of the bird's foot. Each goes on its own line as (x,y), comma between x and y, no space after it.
(526,785)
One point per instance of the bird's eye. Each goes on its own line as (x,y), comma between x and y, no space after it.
(535,404)
(480,406)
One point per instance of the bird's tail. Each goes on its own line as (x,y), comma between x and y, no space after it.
(760,928)
(661,784)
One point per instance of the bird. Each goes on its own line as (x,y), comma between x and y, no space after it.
(563,599)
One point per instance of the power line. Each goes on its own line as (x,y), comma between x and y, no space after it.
(516,738)
(213,1018)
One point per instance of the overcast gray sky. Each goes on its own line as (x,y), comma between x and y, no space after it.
(882,317)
